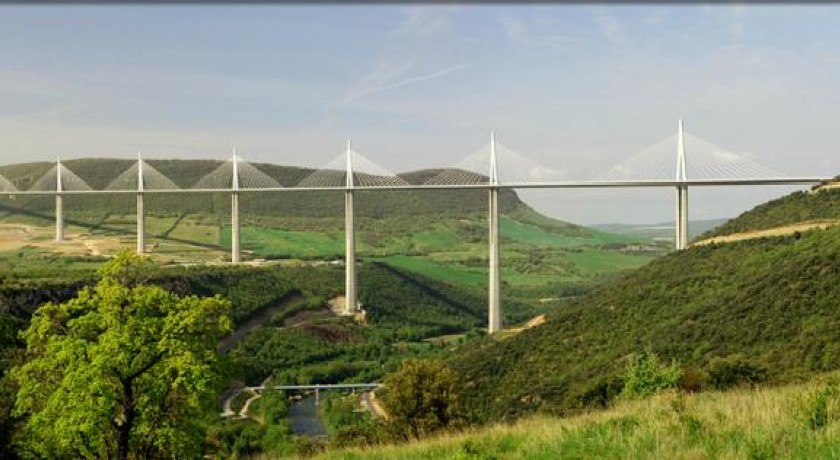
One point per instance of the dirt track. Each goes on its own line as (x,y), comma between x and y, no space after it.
(777,231)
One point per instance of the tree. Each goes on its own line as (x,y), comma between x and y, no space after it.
(422,397)
(646,375)
(123,370)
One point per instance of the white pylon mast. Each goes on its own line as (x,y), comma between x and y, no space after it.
(494,303)
(350,302)
(681,153)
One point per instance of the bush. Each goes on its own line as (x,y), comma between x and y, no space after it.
(734,370)
(692,380)
(645,375)
(421,398)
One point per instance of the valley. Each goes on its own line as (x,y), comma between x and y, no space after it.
(749,306)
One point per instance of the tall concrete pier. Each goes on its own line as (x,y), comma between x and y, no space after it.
(59,204)
(349,240)
(235,249)
(141,209)
(494,302)
(682,193)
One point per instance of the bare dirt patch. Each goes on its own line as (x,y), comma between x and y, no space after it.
(777,231)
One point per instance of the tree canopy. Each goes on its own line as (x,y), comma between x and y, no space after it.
(124,369)
(421,398)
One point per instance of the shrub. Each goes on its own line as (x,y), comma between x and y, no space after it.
(734,370)
(692,380)
(645,375)
(421,398)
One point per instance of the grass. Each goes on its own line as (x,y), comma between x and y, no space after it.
(591,261)
(271,241)
(473,276)
(453,250)
(745,423)
(536,236)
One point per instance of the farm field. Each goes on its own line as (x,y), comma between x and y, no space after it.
(454,250)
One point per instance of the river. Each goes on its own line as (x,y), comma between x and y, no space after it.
(304,418)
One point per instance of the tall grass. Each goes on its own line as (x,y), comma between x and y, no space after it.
(798,421)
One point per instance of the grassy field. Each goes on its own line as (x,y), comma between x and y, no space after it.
(797,421)
(535,250)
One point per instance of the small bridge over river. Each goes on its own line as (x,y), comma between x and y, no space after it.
(677,163)
(317,388)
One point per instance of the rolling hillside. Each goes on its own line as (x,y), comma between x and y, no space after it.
(745,423)
(767,306)
(441,234)
(820,204)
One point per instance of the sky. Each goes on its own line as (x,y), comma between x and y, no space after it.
(577,88)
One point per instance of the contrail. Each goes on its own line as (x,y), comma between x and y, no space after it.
(408,81)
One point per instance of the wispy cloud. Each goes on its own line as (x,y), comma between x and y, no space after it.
(611,28)
(387,76)
(656,18)
(424,21)
(518,31)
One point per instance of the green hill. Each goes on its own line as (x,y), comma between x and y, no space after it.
(765,306)
(794,421)
(804,206)
(439,233)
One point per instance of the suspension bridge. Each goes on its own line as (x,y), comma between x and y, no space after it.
(698,163)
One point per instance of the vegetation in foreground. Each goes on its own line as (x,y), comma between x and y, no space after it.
(123,370)
(795,421)
(767,307)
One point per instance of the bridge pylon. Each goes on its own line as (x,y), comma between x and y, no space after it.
(494,302)
(681,231)
(141,208)
(59,203)
(350,303)
(235,237)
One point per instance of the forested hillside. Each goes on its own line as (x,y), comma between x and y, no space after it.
(799,207)
(438,233)
(766,308)
(402,309)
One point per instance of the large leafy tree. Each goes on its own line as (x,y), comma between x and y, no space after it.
(124,370)
(421,398)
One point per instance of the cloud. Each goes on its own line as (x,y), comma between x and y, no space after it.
(387,76)
(656,18)
(611,28)
(424,21)
(737,29)
(518,31)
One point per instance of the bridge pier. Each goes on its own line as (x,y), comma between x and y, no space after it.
(681,235)
(141,209)
(235,252)
(350,254)
(235,241)
(350,303)
(682,217)
(141,224)
(59,218)
(494,314)
(494,302)
(59,204)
